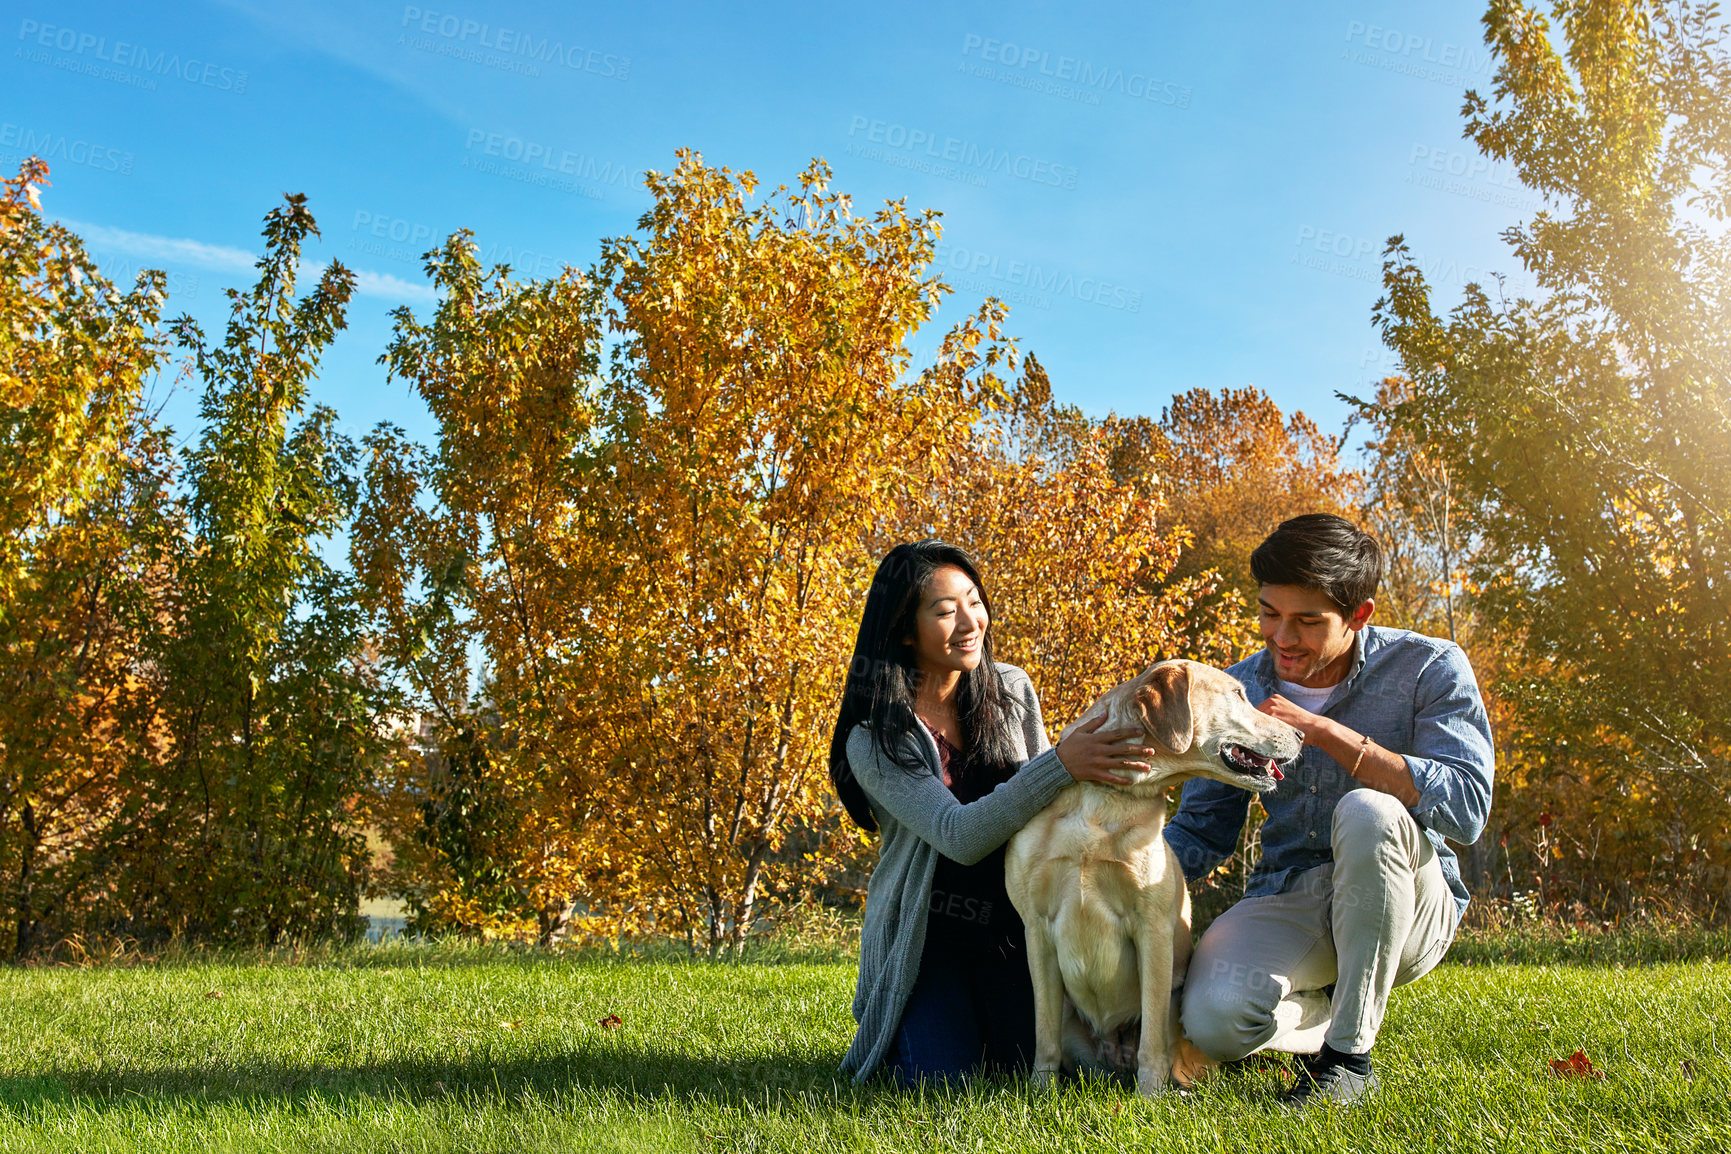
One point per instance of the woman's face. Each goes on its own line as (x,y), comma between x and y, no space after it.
(950,624)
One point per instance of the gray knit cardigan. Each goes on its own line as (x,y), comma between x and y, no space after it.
(919,819)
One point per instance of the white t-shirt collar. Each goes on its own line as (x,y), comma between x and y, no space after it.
(1308,699)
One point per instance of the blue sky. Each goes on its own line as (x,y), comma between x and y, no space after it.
(1168,197)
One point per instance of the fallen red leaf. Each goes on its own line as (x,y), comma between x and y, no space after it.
(611,1022)
(1576,1065)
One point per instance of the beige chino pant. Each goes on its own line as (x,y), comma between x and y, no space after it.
(1379,916)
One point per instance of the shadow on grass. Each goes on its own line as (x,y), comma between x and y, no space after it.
(422,1079)
(636,1079)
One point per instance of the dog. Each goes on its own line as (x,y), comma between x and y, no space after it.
(1102,895)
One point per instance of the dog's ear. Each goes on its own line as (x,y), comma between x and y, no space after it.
(1164,703)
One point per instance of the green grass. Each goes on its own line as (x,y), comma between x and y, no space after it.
(427,1048)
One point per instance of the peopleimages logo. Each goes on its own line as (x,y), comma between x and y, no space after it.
(560,160)
(541,165)
(950,150)
(460,32)
(1412,54)
(1471,175)
(1083,78)
(1039,284)
(90,50)
(1415,46)
(124,270)
(63,149)
(378,234)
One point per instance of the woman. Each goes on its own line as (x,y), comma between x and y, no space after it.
(944,750)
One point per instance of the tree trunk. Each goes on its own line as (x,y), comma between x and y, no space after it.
(26,864)
(553,921)
(717,921)
(747,899)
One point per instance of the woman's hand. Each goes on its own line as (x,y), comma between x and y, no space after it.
(1100,755)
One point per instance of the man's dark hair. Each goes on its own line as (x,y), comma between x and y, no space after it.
(1321,551)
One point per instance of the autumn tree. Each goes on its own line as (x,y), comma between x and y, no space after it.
(1588,426)
(82,502)
(1233,466)
(762,424)
(1079,553)
(651,508)
(501,526)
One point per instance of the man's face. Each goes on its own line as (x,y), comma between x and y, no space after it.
(1308,636)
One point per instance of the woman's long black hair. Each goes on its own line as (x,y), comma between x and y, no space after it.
(883,679)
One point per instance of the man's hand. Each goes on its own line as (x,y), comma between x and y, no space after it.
(1369,763)
(1302,720)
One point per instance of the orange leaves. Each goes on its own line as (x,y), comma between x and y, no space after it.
(1231,466)
(769,439)
(1576,1065)
(1071,546)
(87,552)
(667,645)
(666,550)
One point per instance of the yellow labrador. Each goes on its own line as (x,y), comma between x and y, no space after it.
(1102,895)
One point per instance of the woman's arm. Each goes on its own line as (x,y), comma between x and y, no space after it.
(963,833)
(967,833)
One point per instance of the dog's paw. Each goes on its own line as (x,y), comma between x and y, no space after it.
(1153,1083)
(1043,1079)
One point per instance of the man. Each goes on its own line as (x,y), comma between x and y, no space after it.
(1356,892)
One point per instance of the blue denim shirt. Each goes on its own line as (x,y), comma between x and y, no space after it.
(1414,695)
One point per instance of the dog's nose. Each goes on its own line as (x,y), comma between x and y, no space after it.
(1300,734)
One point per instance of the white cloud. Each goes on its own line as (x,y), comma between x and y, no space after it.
(164,248)
(384,284)
(379,284)
(365,42)
(221,258)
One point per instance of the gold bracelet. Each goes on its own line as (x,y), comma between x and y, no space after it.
(1362,746)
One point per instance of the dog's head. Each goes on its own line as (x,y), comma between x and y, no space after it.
(1201,724)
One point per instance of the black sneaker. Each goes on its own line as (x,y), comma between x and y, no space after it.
(1324,1078)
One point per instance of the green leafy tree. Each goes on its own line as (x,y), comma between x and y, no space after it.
(251,828)
(1589,426)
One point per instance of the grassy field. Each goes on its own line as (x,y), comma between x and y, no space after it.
(429,1048)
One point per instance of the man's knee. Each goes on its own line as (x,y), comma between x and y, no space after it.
(1366,818)
(1227,1013)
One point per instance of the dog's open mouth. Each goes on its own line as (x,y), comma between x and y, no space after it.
(1247,761)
